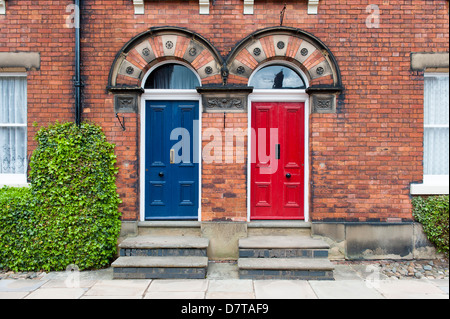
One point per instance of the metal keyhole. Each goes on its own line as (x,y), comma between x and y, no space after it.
(161,174)
(288,175)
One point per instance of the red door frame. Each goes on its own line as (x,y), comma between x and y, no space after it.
(277,184)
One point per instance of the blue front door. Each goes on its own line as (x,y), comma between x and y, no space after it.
(171,164)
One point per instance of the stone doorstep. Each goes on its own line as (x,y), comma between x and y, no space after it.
(282,242)
(159,252)
(279,224)
(156,242)
(161,262)
(285,264)
(168,267)
(160,273)
(283,253)
(286,274)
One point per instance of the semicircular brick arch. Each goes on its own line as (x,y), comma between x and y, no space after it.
(158,44)
(284,43)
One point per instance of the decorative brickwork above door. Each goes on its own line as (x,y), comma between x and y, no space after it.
(278,43)
(158,44)
(283,43)
(272,44)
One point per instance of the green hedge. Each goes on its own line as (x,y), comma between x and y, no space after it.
(433,213)
(70,214)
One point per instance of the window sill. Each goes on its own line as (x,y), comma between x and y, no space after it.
(432,185)
(13,180)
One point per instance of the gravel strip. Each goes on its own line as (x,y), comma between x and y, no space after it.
(407,269)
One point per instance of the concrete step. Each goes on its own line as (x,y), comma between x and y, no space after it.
(153,257)
(137,267)
(282,247)
(170,228)
(285,268)
(164,246)
(279,228)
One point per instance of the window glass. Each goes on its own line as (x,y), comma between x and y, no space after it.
(172,76)
(277,77)
(436,125)
(13,125)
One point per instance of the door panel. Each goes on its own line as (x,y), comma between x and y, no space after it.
(171,175)
(277,179)
(158,115)
(263,201)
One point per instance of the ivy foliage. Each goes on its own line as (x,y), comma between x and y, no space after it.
(433,213)
(69,215)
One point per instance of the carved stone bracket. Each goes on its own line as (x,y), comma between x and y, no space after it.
(313,6)
(324,103)
(225,99)
(248,6)
(323,99)
(138,6)
(126,99)
(203,6)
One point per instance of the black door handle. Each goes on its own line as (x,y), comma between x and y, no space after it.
(288,175)
(161,174)
(277,151)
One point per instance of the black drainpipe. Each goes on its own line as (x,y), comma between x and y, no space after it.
(77,80)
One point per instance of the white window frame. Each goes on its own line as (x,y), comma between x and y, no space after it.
(2,6)
(432,184)
(15,180)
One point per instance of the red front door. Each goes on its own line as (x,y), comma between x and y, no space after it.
(277,168)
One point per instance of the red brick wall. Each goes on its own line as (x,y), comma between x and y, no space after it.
(363,158)
(37,26)
(224,181)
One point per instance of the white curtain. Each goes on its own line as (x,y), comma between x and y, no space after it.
(436,120)
(13,125)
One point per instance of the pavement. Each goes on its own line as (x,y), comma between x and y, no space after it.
(351,282)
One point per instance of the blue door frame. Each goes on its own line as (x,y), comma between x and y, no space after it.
(171,173)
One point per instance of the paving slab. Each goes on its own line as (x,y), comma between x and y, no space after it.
(231,286)
(185,295)
(111,297)
(229,295)
(20,285)
(119,288)
(189,285)
(442,284)
(410,289)
(57,293)
(76,283)
(13,295)
(344,289)
(222,270)
(283,289)
(370,272)
(101,274)
(345,272)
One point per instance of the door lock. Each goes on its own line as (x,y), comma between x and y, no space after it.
(288,175)
(161,174)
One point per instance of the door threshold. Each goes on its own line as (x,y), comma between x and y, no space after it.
(279,224)
(170,223)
